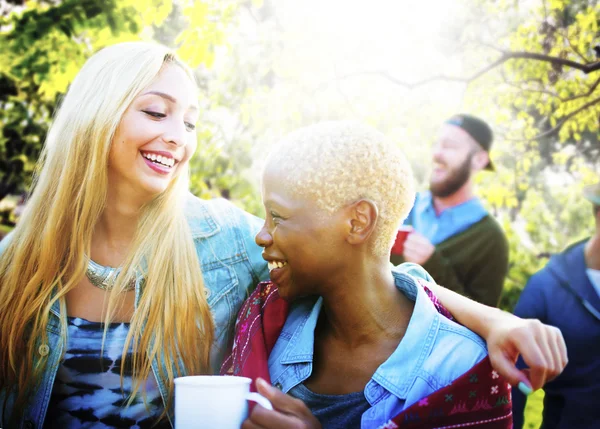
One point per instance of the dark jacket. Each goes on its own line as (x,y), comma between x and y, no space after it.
(473,262)
(562,295)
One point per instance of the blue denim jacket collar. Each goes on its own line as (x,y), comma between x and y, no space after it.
(301,345)
(200,220)
(398,373)
(202,224)
(406,359)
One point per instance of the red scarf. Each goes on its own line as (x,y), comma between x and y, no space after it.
(479,398)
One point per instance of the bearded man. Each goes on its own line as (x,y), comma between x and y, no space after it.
(453,236)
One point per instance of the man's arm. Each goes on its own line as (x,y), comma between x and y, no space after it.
(482,254)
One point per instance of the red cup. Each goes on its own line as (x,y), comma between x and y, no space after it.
(398,247)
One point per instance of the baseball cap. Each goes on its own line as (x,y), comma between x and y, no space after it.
(476,128)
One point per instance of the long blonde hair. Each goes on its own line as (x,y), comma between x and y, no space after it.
(45,257)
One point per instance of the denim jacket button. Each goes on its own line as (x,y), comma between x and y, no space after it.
(28,423)
(279,386)
(206,292)
(43,350)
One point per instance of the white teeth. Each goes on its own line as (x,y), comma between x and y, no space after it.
(163,160)
(276,264)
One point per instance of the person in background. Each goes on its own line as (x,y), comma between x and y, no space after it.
(453,236)
(566,294)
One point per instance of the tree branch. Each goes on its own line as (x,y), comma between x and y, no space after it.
(506,56)
(533,90)
(586,68)
(573,48)
(589,92)
(562,122)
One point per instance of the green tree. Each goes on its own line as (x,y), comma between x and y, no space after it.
(534,69)
(544,75)
(42,45)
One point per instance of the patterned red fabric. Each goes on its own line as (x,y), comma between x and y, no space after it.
(257,328)
(436,303)
(480,398)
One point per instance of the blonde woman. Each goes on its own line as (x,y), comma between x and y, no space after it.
(84,344)
(112,191)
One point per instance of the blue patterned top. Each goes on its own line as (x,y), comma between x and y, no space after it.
(87,390)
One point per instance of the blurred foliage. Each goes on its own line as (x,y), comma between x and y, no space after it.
(533,410)
(549,93)
(44,43)
(257,83)
(548,117)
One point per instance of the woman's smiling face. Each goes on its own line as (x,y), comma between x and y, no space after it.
(302,243)
(156,136)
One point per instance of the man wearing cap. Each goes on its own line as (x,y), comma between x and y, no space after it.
(566,294)
(454,238)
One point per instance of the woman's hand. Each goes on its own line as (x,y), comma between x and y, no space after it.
(287,412)
(542,347)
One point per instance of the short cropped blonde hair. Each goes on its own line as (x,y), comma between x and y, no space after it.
(338,163)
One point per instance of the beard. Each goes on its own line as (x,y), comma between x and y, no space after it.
(455,180)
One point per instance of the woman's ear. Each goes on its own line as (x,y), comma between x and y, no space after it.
(363,216)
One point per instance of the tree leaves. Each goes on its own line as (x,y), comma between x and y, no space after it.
(43,46)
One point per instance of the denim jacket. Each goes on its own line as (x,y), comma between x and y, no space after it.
(231,265)
(434,352)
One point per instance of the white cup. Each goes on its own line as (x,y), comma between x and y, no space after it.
(213,401)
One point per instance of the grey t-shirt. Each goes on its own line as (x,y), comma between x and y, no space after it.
(333,411)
